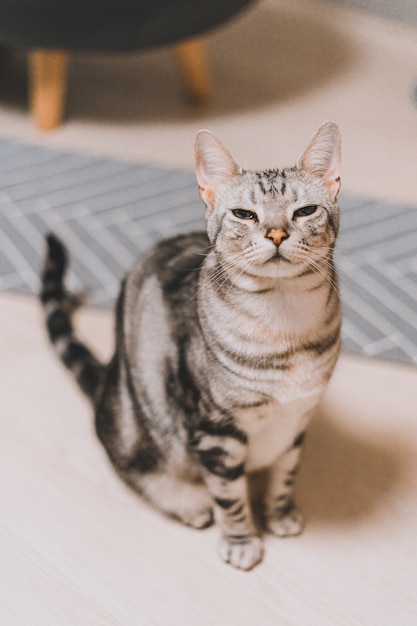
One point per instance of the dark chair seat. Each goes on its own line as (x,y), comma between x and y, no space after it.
(113,25)
(61,26)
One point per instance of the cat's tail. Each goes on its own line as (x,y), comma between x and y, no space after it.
(59,305)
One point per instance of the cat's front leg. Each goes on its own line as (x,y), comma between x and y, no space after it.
(282,516)
(222,458)
(239,543)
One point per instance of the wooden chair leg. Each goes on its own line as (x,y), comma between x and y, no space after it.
(192,61)
(47,86)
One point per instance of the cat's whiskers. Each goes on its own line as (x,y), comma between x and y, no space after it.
(236,267)
(237,264)
(233,264)
(318,262)
(319,270)
(205,254)
(244,262)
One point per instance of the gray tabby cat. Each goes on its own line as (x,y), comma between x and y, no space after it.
(224,345)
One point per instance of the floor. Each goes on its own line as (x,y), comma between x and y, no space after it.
(76,546)
(79,548)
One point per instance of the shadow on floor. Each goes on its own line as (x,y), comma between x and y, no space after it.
(346,479)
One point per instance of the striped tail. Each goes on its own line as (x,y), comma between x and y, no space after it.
(59,305)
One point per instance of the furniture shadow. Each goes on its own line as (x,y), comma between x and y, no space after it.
(266,56)
(269,54)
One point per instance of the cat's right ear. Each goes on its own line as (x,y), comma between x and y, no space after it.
(322,157)
(214,165)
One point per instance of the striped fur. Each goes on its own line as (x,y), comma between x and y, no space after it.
(225,342)
(58,306)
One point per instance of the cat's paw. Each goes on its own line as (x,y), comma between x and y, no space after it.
(199,519)
(286,523)
(241,552)
(193,505)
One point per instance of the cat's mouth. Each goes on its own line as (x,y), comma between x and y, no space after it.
(278,257)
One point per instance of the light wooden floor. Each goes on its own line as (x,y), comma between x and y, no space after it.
(78,548)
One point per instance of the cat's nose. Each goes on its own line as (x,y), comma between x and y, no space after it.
(277,235)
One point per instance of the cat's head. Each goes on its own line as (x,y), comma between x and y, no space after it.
(271,223)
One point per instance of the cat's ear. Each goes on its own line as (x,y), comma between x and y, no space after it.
(323,155)
(214,165)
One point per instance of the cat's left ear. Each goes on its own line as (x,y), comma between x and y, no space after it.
(214,165)
(323,155)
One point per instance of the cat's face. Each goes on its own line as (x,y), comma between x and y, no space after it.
(274,223)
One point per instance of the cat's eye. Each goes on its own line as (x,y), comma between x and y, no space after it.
(244,214)
(305,211)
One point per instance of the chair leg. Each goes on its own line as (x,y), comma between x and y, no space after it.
(47,86)
(192,61)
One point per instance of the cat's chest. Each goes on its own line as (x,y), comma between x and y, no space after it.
(284,312)
(272,429)
(266,324)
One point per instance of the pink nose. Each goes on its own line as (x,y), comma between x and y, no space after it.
(277,235)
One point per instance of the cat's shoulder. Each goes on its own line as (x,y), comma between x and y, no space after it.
(179,253)
(180,247)
(171,261)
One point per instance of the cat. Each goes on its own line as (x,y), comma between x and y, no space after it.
(225,342)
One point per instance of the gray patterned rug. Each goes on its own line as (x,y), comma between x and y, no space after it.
(109,212)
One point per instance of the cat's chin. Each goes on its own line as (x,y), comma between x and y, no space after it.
(275,268)
(278,266)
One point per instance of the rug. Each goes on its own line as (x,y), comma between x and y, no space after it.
(109,212)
